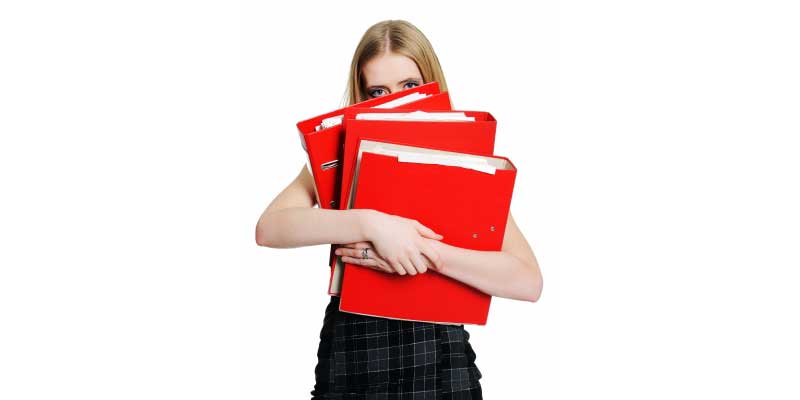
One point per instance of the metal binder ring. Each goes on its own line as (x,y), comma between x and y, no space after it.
(364,253)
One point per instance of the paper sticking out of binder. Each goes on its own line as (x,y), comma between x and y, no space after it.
(329,122)
(403,100)
(337,119)
(427,156)
(416,116)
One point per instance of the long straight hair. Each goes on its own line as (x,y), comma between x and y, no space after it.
(397,36)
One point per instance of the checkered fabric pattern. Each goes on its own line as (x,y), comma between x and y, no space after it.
(372,358)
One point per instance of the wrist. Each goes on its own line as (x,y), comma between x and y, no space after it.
(364,217)
(444,251)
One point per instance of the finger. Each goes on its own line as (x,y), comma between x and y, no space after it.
(398,268)
(360,261)
(381,266)
(344,251)
(353,252)
(428,232)
(374,254)
(385,266)
(369,263)
(419,263)
(408,266)
(432,256)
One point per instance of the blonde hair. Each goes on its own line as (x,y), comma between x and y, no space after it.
(397,36)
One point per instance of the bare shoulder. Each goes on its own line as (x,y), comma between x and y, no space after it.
(298,193)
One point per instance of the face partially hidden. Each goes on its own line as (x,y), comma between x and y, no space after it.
(390,73)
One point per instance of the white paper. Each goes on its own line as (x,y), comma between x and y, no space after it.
(480,165)
(337,119)
(464,161)
(402,100)
(416,116)
(331,121)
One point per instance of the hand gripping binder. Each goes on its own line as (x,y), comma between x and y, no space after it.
(465,201)
(476,137)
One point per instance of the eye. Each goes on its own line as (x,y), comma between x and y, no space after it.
(377,93)
(410,83)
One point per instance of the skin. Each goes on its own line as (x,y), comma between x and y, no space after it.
(397,244)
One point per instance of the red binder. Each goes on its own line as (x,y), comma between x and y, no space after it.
(469,137)
(468,207)
(324,147)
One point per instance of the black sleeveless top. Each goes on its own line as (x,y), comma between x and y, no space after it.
(365,357)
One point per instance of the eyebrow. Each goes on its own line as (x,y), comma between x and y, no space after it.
(404,81)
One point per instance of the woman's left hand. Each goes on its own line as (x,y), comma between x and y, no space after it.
(351,253)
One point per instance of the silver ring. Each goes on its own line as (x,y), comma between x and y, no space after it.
(364,253)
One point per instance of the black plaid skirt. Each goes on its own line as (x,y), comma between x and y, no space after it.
(370,358)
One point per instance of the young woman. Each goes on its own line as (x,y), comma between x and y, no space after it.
(367,357)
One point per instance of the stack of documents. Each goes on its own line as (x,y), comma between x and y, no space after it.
(411,154)
(321,136)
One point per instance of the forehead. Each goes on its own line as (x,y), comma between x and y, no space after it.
(388,69)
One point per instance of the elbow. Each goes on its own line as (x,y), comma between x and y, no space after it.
(534,297)
(260,240)
(261,236)
(265,240)
(268,233)
(535,291)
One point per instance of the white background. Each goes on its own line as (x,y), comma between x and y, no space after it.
(139,143)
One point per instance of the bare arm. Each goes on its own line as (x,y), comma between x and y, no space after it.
(512,272)
(291,220)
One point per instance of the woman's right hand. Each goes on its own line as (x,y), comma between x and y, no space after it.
(400,241)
